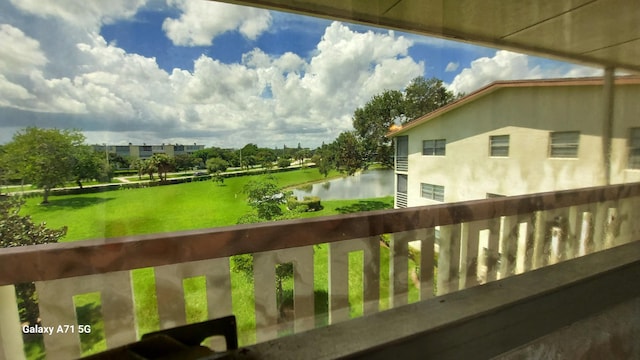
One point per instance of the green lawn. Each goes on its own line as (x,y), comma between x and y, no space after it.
(186,206)
(193,206)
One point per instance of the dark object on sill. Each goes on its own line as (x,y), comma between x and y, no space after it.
(181,342)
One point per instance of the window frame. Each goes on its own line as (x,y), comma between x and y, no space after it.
(496,149)
(432,192)
(437,147)
(557,145)
(633,145)
(398,182)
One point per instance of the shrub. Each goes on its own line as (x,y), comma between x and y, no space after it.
(308,203)
(18,230)
(284,163)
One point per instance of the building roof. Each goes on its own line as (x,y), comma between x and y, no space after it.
(604,33)
(494,86)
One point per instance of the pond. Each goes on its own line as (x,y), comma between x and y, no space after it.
(367,184)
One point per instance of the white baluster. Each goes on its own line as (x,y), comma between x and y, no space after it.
(57,308)
(170,289)
(449,259)
(10,332)
(264,267)
(339,276)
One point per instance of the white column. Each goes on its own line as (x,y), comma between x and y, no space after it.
(11,346)
(607,121)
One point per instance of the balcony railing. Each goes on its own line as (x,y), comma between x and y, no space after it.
(461,245)
(402,163)
(401,199)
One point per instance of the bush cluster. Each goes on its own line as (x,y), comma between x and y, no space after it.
(308,203)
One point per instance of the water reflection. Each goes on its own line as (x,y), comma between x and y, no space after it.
(368,184)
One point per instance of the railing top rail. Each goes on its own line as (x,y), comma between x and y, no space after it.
(61,260)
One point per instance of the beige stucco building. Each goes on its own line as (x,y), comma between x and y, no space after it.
(518,137)
(146,151)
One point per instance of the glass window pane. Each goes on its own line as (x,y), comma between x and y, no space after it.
(499,145)
(402,183)
(402,146)
(564,144)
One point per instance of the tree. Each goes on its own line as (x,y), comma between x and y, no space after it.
(149,167)
(3,167)
(265,197)
(140,165)
(216,165)
(44,157)
(423,96)
(372,122)
(284,163)
(324,159)
(88,165)
(266,157)
(18,230)
(348,153)
(184,162)
(302,154)
(163,164)
(118,161)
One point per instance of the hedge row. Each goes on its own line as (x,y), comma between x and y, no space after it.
(138,185)
(308,203)
(112,187)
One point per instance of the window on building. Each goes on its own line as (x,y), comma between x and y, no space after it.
(564,144)
(402,146)
(634,149)
(434,147)
(401,191)
(402,153)
(402,184)
(432,192)
(499,145)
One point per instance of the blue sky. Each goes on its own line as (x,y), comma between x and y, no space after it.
(185,71)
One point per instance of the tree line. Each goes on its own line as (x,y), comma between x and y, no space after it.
(367,143)
(48,158)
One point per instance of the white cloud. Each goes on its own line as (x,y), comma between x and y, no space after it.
(452,66)
(19,54)
(265,99)
(87,14)
(202,21)
(506,65)
(583,71)
(10,92)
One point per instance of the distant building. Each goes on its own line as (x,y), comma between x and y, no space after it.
(146,151)
(518,137)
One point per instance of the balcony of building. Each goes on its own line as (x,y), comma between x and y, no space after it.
(494,275)
(547,275)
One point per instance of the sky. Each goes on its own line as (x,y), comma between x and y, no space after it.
(215,74)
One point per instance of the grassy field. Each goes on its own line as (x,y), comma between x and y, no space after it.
(186,206)
(193,206)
